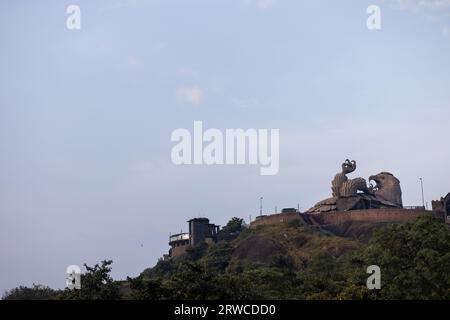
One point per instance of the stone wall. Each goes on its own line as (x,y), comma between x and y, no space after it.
(275,218)
(340,217)
(372,215)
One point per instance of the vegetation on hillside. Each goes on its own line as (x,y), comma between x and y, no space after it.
(35,292)
(286,261)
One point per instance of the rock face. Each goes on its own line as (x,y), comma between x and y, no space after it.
(294,241)
(352,194)
(267,248)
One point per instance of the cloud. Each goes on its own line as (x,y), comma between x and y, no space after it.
(260,4)
(190,94)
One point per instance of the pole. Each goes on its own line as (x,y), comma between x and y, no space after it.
(260,206)
(423,198)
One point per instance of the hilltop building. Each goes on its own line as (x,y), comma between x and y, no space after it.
(200,231)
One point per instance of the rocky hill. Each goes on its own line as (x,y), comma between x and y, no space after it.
(287,260)
(294,240)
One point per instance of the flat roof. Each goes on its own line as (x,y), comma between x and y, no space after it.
(199,219)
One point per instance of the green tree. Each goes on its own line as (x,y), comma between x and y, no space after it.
(414,259)
(218,256)
(163,268)
(196,252)
(321,279)
(36,292)
(234,225)
(195,281)
(192,281)
(144,288)
(270,283)
(96,284)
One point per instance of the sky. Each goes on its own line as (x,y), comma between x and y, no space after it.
(86,117)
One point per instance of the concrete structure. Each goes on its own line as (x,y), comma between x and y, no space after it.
(393,215)
(200,231)
(178,244)
(442,205)
(388,215)
(275,218)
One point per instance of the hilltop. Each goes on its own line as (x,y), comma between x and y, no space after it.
(296,260)
(295,241)
(286,260)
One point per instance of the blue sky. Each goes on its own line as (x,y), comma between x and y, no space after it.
(86,116)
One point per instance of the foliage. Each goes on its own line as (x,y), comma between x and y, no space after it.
(218,257)
(36,292)
(318,280)
(195,253)
(163,268)
(96,284)
(234,225)
(414,259)
(144,288)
